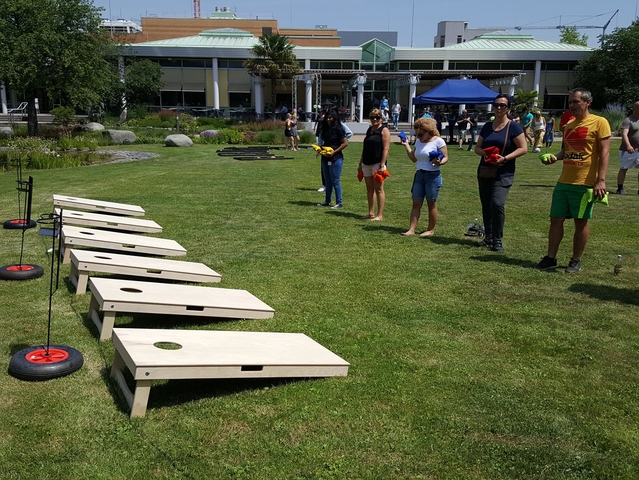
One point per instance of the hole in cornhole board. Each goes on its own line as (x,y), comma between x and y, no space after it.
(130,290)
(167,345)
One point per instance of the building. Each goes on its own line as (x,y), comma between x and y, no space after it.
(452,33)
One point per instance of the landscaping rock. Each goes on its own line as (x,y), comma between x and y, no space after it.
(6,131)
(120,136)
(178,140)
(92,127)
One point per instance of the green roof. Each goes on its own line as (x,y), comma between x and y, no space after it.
(221,37)
(510,41)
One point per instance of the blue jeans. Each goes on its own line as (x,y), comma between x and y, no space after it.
(395,120)
(332,174)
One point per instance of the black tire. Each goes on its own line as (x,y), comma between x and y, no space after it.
(21,272)
(19,224)
(30,363)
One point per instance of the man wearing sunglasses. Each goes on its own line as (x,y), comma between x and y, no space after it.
(583,178)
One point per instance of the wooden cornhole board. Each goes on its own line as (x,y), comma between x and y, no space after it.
(85,261)
(126,242)
(215,354)
(90,204)
(112,296)
(114,222)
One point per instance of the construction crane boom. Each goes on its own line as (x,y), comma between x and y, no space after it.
(556,27)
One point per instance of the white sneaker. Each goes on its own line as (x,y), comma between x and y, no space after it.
(536,150)
(321,189)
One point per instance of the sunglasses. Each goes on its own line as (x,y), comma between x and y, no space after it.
(500,105)
(376,117)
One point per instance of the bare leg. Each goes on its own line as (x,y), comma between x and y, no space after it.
(414,217)
(621,176)
(370,196)
(381,199)
(555,235)
(580,239)
(432,218)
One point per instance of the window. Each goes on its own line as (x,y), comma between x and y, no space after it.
(438,65)
(459,39)
(489,66)
(421,65)
(170,62)
(240,99)
(463,66)
(442,41)
(267,30)
(193,63)
(401,66)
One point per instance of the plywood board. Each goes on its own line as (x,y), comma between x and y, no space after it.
(113,222)
(97,205)
(85,261)
(215,354)
(87,237)
(111,296)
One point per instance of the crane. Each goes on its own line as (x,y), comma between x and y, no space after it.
(196,8)
(558,27)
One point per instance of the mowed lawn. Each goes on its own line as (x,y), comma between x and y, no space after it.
(465,364)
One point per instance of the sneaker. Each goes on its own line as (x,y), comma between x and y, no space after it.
(325,204)
(536,150)
(337,206)
(621,191)
(486,242)
(321,189)
(497,246)
(574,266)
(547,263)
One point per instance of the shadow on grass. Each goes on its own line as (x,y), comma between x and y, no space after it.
(466,241)
(526,185)
(607,293)
(500,258)
(376,227)
(301,203)
(340,213)
(307,190)
(16,347)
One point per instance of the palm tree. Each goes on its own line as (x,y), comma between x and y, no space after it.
(273,58)
(526,100)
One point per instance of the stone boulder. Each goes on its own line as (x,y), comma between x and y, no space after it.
(178,140)
(92,127)
(120,136)
(6,131)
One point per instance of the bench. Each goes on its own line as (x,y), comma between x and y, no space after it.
(89,204)
(199,354)
(88,237)
(116,296)
(113,222)
(85,261)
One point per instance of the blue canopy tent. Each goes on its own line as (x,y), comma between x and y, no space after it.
(455,91)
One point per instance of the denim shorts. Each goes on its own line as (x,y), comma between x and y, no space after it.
(426,185)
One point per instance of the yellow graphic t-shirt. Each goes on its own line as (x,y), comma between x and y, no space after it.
(581,148)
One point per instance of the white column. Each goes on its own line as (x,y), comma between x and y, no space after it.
(307,64)
(511,89)
(123,113)
(446,63)
(537,79)
(414,80)
(258,84)
(308,108)
(398,93)
(352,105)
(3,98)
(216,85)
(361,80)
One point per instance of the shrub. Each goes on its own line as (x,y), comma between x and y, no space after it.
(615,114)
(63,116)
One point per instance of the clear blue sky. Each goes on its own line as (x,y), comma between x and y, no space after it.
(397,15)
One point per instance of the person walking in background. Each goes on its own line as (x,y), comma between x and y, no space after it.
(539,125)
(294,135)
(472,119)
(629,148)
(452,122)
(318,133)
(526,124)
(383,105)
(549,136)
(496,171)
(426,113)
(462,125)
(430,153)
(397,109)
(583,178)
(334,136)
(374,156)
(288,132)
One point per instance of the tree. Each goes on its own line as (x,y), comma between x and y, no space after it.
(571,36)
(526,100)
(273,58)
(142,84)
(611,71)
(54,47)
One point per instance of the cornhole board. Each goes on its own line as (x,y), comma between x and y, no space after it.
(90,204)
(127,242)
(127,224)
(85,261)
(112,296)
(215,354)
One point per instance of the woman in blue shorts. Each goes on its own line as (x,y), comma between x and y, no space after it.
(429,154)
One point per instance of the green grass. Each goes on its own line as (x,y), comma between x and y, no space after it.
(464,364)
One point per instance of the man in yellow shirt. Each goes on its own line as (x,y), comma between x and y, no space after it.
(583,178)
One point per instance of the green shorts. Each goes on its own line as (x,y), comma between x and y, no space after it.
(571,201)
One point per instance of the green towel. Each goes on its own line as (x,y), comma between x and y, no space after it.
(589,197)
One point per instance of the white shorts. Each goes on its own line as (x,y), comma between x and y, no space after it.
(628,160)
(369,170)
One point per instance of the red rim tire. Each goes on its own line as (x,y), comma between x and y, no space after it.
(19,224)
(36,364)
(21,272)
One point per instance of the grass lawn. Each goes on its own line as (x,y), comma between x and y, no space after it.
(465,364)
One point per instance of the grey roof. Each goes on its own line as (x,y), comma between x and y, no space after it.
(509,41)
(221,37)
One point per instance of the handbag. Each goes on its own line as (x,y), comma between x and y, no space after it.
(490,171)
